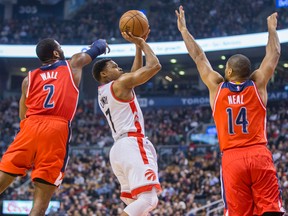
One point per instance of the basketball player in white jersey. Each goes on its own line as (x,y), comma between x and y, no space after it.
(132,157)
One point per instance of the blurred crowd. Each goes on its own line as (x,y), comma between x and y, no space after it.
(189,179)
(101,18)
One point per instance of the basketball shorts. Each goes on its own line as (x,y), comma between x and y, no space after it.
(134,162)
(249,182)
(40,145)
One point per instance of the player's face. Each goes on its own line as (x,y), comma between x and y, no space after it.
(114,71)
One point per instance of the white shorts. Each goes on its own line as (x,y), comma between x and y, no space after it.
(134,162)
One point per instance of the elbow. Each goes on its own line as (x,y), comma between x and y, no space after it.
(154,67)
(278,51)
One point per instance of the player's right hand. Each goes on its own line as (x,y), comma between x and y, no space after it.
(181,22)
(272,21)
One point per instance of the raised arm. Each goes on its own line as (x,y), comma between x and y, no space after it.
(210,77)
(22,104)
(143,74)
(138,60)
(262,75)
(79,60)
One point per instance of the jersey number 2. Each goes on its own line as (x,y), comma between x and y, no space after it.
(48,104)
(241,120)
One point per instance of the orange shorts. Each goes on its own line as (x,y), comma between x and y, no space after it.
(41,145)
(250,182)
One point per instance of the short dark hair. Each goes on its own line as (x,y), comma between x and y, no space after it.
(98,67)
(45,48)
(240,65)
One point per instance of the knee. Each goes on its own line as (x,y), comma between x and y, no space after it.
(150,198)
(153,201)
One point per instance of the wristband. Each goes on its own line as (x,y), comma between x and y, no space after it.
(97,48)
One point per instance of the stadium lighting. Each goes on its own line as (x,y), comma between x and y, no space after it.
(173,61)
(220,66)
(181,72)
(285,65)
(23,69)
(176,86)
(168,78)
(223,57)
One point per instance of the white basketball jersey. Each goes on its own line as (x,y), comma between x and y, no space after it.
(123,116)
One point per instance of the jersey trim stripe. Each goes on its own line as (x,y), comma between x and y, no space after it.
(126,195)
(142,150)
(216,98)
(146,188)
(66,159)
(118,99)
(74,85)
(71,76)
(136,123)
(258,96)
(29,81)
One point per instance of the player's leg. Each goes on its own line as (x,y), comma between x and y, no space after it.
(42,196)
(266,188)
(144,203)
(17,158)
(50,160)
(116,166)
(236,191)
(5,180)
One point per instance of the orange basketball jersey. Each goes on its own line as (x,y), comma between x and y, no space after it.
(52,91)
(239,115)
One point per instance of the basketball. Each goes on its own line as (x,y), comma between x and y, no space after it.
(134,21)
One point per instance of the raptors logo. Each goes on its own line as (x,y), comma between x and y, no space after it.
(150,175)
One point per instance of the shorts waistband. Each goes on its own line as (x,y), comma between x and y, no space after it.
(47,117)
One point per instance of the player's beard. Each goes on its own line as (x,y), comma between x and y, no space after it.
(62,57)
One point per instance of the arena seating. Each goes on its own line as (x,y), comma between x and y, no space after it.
(100,19)
(189,179)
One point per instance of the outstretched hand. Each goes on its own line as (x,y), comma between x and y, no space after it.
(272,21)
(181,22)
(131,38)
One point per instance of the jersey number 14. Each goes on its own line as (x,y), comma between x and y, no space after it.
(240,120)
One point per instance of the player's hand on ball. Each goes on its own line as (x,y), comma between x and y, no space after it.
(145,36)
(131,38)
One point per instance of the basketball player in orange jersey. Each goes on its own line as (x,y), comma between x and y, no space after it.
(132,157)
(47,105)
(249,179)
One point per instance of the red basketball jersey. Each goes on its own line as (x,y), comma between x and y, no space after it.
(239,115)
(52,91)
